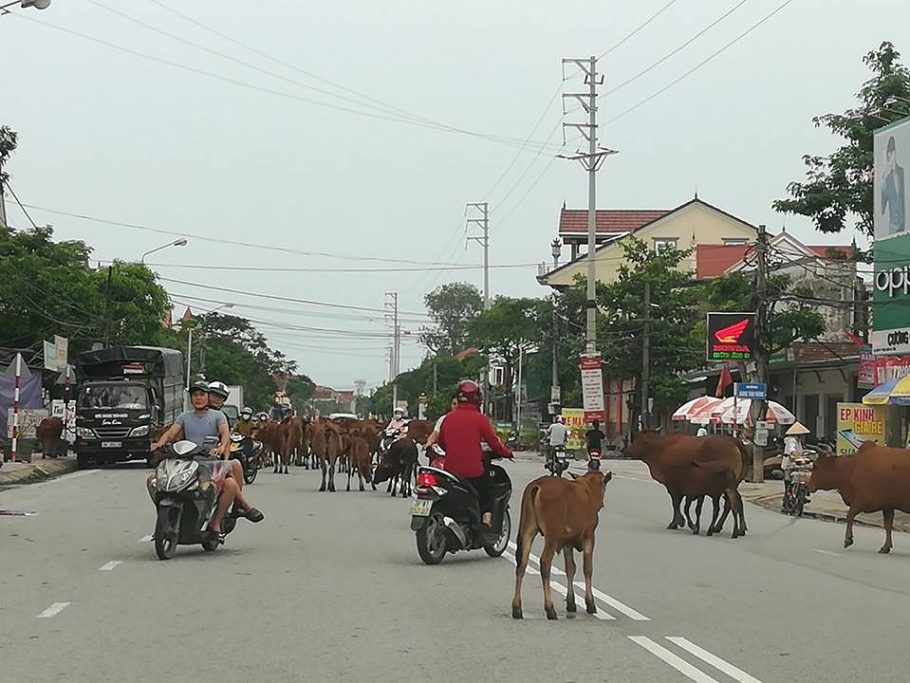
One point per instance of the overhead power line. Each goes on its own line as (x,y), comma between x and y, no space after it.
(635,31)
(273,269)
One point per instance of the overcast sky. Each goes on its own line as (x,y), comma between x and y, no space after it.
(246,152)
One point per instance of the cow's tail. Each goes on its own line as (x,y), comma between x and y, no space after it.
(528,516)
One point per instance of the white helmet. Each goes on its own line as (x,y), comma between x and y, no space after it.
(559,419)
(398,411)
(219,389)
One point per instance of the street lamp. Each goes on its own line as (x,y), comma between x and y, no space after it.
(555,397)
(189,343)
(23,4)
(176,243)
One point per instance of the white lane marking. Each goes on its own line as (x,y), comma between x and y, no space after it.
(615,604)
(713,660)
(110,566)
(511,558)
(673,660)
(53,610)
(600,595)
(825,552)
(146,539)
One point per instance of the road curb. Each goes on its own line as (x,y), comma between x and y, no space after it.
(36,473)
(773,503)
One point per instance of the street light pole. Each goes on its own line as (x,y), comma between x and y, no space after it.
(189,346)
(176,243)
(24,4)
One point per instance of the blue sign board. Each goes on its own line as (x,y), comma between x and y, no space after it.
(743,390)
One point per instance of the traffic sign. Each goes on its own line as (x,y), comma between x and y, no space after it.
(755,390)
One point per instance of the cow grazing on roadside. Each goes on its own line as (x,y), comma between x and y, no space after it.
(695,466)
(874,478)
(48,434)
(565,513)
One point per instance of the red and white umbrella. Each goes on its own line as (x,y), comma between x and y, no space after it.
(776,414)
(693,407)
(711,412)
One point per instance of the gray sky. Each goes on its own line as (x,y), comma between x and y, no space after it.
(115,136)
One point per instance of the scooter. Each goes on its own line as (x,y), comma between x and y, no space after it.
(247,451)
(594,456)
(558,461)
(186,495)
(446,514)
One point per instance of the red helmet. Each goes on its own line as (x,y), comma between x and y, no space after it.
(469,392)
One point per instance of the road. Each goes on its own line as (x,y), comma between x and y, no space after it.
(329,588)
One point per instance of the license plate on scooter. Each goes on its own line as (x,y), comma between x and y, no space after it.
(421,508)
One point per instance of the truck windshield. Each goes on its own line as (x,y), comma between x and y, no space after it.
(108,396)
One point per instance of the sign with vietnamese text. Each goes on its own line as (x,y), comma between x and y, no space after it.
(731,336)
(858,423)
(574,419)
(755,390)
(592,387)
(875,370)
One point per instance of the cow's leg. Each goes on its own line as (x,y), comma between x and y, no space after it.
(719,526)
(275,462)
(739,518)
(569,554)
(349,482)
(546,564)
(522,555)
(588,566)
(889,522)
(325,468)
(360,476)
(715,503)
(678,520)
(332,477)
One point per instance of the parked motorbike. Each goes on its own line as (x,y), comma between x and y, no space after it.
(186,495)
(247,450)
(446,514)
(558,461)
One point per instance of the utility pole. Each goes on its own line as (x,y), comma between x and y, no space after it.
(646,360)
(107,307)
(555,391)
(2,199)
(392,304)
(762,335)
(482,209)
(591,160)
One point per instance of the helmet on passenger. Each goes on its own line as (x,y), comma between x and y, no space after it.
(246,413)
(219,389)
(468,391)
(398,412)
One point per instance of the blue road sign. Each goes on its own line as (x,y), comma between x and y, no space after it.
(755,390)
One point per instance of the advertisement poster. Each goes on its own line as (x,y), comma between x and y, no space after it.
(857,423)
(731,336)
(875,370)
(891,248)
(592,387)
(574,419)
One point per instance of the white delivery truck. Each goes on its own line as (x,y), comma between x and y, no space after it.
(234,404)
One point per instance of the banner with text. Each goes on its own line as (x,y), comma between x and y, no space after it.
(592,387)
(858,423)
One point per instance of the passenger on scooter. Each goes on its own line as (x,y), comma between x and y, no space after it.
(218,394)
(433,438)
(245,424)
(460,435)
(398,423)
(197,425)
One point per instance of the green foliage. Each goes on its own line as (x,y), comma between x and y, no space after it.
(411,384)
(840,184)
(451,307)
(8,141)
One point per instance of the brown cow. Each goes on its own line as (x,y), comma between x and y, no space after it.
(270,436)
(290,440)
(875,478)
(397,466)
(565,513)
(360,461)
(695,466)
(48,433)
(325,440)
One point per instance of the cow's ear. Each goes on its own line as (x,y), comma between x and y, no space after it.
(608,477)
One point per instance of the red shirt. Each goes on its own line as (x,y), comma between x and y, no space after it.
(460,436)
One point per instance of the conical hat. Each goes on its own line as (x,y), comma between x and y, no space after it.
(798,429)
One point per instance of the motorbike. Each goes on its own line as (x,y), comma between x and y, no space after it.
(186,495)
(594,456)
(558,461)
(247,451)
(512,441)
(796,494)
(446,513)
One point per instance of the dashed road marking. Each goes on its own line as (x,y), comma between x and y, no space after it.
(673,660)
(615,604)
(146,539)
(53,610)
(110,566)
(713,660)
(825,552)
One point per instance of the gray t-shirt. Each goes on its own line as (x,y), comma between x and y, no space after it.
(558,433)
(197,427)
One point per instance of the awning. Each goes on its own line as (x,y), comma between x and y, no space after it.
(893,392)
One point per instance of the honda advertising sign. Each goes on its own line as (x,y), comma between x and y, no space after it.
(731,336)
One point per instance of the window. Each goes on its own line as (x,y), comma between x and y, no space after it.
(663,243)
(735,241)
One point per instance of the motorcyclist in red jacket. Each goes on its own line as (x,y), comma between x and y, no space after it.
(460,436)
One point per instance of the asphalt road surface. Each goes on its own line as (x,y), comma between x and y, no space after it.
(330,588)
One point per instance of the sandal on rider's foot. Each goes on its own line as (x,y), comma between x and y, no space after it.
(254,515)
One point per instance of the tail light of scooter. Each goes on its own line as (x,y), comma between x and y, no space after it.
(427,479)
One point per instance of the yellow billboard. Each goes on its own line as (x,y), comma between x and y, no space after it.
(574,419)
(857,423)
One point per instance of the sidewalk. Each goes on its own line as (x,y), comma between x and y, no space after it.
(825,505)
(38,469)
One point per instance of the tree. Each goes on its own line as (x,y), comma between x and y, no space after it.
(451,307)
(8,141)
(506,329)
(672,316)
(840,185)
